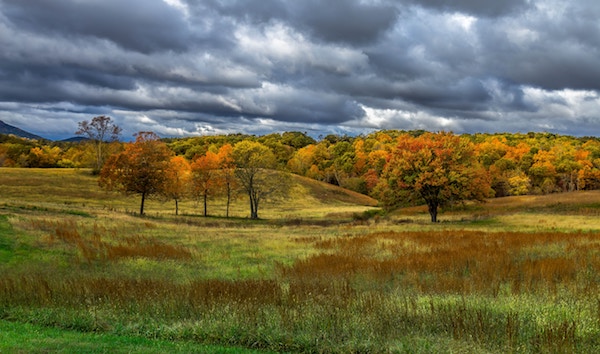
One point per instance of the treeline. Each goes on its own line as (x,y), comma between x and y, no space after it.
(517,164)
(23,152)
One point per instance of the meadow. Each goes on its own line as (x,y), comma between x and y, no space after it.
(322,272)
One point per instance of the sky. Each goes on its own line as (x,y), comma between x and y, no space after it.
(199,67)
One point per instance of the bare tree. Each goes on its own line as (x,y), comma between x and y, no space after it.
(99,130)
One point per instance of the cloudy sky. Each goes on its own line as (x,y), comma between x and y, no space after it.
(192,67)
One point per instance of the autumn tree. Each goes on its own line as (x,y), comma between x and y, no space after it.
(205,177)
(44,156)
(438,169)
(227,173)
(254,171)
(142,168)
(178,180)
(100,130)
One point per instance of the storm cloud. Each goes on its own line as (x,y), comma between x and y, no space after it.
(183,67)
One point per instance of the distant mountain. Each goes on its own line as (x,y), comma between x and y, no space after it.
(9,129)
(75,139)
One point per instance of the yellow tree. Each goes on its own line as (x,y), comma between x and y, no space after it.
(543,171)
(142,168)
(178,178)
(438,169)
(227,173)
(254,170)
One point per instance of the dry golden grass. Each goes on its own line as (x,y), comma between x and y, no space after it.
(463,262)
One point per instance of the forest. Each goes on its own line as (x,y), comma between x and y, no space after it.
(516,163)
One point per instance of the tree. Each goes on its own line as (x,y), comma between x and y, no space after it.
(99,130)
(142,168)
(178,177)
(44,156)
(254,163)
(227,169)
(439,169)
(205,177)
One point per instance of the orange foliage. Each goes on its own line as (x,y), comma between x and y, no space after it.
(205,177)
(178,176)
(438,168)
(141,169)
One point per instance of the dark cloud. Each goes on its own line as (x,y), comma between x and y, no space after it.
(344,21)
(476,7)
(139,25)
(348,21)
(183,67)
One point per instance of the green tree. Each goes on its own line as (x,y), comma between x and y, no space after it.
(254,170)
(142,168)
(438,169)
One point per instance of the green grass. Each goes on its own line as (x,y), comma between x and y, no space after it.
(27,338)
(323,271)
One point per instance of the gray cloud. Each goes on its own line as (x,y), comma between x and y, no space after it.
(183,67)
(476,7)
(134,24)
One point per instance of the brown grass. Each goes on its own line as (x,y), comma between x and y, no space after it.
(94,248)
(462,262)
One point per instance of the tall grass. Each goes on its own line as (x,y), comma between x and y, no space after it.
(496,292)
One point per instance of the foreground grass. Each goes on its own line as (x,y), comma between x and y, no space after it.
(24,337)
(513,275)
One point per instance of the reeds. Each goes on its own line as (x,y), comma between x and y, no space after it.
(369,293)
(462,262)
(93,246)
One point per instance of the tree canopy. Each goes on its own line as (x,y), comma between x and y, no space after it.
(439,169)
(142,168)
(254,170)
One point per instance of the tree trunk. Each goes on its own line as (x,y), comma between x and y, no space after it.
(253,210)
(205,204)
(228,202)
(433,209)
(176,207)
(142,204)
(99,156)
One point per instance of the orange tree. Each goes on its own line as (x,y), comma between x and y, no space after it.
(178,177)
(438,169)
(142,168)
(205,177)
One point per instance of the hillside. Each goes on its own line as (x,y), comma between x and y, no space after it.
(12,130)
(52,189)
(328,193)
(580,202)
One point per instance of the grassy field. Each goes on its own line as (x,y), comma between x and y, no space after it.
(322,271)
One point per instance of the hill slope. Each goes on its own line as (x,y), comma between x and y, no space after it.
(52,189)
(329,194)
(9,129)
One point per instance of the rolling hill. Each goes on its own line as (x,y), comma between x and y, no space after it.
(12,130)
(328,193)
